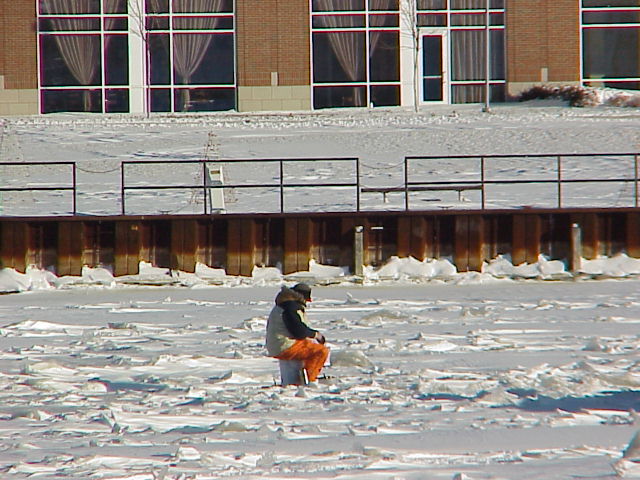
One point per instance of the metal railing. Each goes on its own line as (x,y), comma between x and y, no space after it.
(500,181)
(282,185)
(72,187)
(481,181)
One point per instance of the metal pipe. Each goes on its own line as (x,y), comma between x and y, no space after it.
(406,183)
(73,174)
(635,169)
(482,181)
(559,163)
(122,194)
(281,186)
(357,184)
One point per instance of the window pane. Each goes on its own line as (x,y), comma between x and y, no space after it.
(337,5)
(77,6)
(338,21)
(204,99)
(115,24)
(117,101)
(432,20)
(432,4)
(68,60)
(157,23)
(611,17)
(468,4)
(467,55)
(203,59)
(498,68)
(160,100)
(71,101)
(384,20)
(432,89)
(611,3)
(159,53)
(610,52)
(338,57)
(116,60)
(432,55)
(468,19)
(200,23)
(329,97)
(115,6)
(69,24)
(157,6)
(384,48)
(202,6)
(384,5)
(385,95)
(475,93)
(630,85)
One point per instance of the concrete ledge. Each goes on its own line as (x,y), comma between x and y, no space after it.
(274,98)
(18,102)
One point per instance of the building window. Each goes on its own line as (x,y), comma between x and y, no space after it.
(610,40)
(191,55)
(356,53)
(462,24)
(85,48)
(83,51)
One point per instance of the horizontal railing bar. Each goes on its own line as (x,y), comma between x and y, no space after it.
(22,164)
(238,160)
(498,182)
(248,185)
(534,155)
(32,189)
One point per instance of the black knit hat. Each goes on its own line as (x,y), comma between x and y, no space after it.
(303,289)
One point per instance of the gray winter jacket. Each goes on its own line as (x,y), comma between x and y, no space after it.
(286,322)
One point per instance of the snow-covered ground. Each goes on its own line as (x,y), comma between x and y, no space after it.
(521,371)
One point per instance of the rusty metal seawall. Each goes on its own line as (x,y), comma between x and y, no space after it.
(239,242)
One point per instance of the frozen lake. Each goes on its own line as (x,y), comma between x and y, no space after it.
(507,380)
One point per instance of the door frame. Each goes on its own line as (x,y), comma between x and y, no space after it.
(442,32)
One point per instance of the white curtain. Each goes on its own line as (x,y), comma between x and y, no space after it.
(81,53)
(468,62)
(189,49)
(348,46)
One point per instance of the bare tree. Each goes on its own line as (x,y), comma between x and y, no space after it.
(409,21)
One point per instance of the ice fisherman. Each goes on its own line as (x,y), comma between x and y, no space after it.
(289,337)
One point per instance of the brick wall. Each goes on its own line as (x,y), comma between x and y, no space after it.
(543,34)
(273,36)
(18,64)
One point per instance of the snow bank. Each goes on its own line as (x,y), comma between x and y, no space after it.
(407,270)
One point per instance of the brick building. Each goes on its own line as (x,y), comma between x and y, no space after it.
(256,55)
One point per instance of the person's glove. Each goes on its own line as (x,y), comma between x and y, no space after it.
(319,337)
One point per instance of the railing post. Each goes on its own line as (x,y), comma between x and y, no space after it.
(559,163)
(205,176)
(357,184)
(122,164)
(575,262)
(406,183)
(635,169)
(482,181)
(358,251)
(73,174)
(281,186)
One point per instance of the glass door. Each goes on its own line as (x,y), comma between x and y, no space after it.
(433,56)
